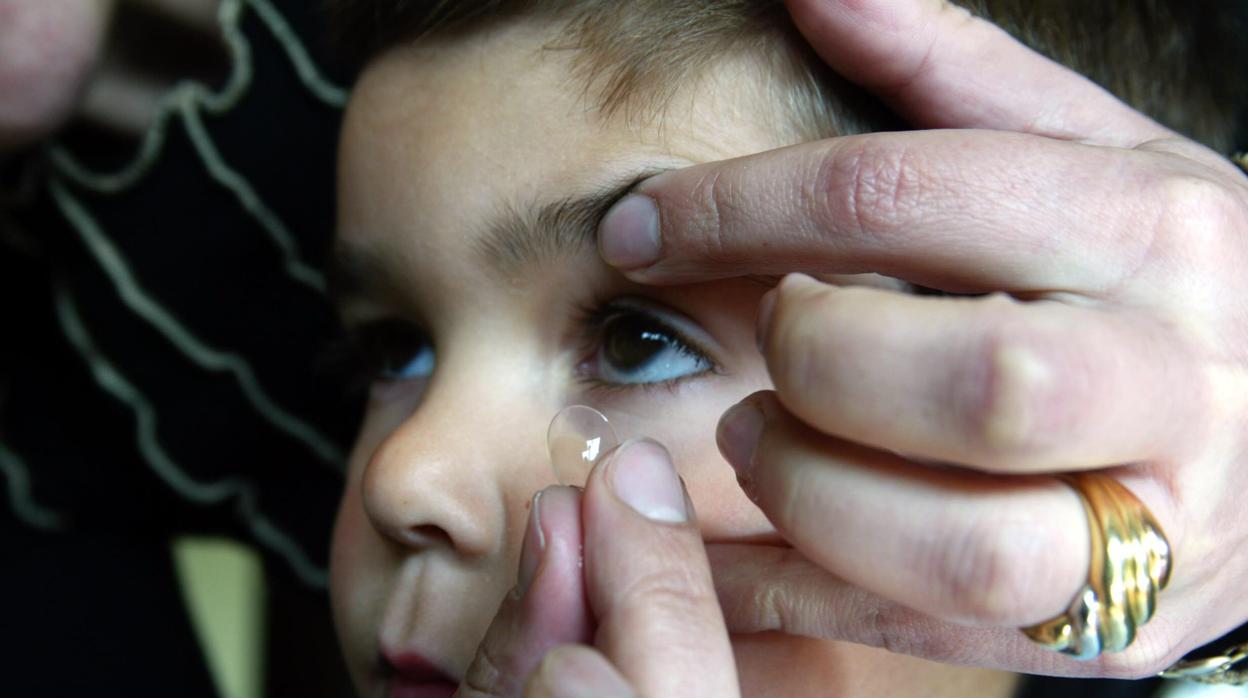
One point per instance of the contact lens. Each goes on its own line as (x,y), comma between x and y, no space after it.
(576,439)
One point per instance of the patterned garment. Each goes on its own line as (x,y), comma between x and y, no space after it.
(162,372)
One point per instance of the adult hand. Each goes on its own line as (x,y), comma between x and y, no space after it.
(1111,333)
(641,616)
(48,49)
(53,65)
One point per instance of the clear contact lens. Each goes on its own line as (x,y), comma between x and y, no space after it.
(578,436)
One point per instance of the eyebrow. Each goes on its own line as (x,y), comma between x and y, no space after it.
(521,238)
(515,240)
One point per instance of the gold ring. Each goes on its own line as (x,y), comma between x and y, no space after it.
(1130,565)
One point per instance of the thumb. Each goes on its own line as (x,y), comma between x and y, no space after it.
(648,580)
(545,609)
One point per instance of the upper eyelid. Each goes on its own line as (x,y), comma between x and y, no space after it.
(677,321)
(687,330)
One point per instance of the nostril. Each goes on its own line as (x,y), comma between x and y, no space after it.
(428,536)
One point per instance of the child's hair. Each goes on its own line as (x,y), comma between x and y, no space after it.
(1181,62)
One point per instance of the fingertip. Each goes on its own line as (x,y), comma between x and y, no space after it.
(798,282)
(641,475)
(629,236)
(737,436)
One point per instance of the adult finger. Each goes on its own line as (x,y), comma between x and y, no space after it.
(975,548)
(576,671)
(990,382)
(766,588)
(546,608)
(648,581)
(956,210)
(940,66)
(48,50)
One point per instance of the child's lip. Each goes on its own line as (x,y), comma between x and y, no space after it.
(412,675)
(400,688)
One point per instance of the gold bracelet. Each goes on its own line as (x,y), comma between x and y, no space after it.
(1241,159)
(1221,669)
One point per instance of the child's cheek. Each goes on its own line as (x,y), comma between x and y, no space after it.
(724,511)
(685,424)
(360,576)
(352,601)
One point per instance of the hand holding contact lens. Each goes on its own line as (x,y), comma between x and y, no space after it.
(577,438)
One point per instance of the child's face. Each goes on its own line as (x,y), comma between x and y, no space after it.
(452,162)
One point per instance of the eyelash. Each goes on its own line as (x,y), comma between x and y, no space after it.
(359,357)
(593,318)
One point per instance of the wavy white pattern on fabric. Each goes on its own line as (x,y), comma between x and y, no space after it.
(186,103)
(145,306)
(24,506)
(242,491)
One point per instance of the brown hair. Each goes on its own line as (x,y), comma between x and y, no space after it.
(1180,61)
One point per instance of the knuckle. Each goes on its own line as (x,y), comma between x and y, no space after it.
(805,338)
(485,677)
(1148,656)
(983,572)
(1197,214)
(901,630)
(1186,195)
(873,191)
(674,589)
(671,606)
(719,200)
(772,608)
(1011,402)
(783,604)
(893,628)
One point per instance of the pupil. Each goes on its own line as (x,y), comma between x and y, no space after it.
(632,342)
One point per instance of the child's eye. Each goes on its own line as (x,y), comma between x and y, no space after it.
(636,347)
(419,365)
(391,350)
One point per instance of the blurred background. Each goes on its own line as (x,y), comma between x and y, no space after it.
(172,437)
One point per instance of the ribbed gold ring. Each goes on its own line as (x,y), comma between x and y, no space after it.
(1130,565)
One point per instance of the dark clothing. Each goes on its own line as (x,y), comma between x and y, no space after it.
(93,606)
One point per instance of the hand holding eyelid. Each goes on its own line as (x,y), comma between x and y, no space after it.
(578,436)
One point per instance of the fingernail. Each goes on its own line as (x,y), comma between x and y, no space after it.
(800,280)
(738,434)
(763,324)
(533,547)
(644,478)
(628,237)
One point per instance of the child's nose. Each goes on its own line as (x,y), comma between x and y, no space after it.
(454,478)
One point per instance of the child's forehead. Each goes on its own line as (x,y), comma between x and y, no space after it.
(451,132)
(508,87)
